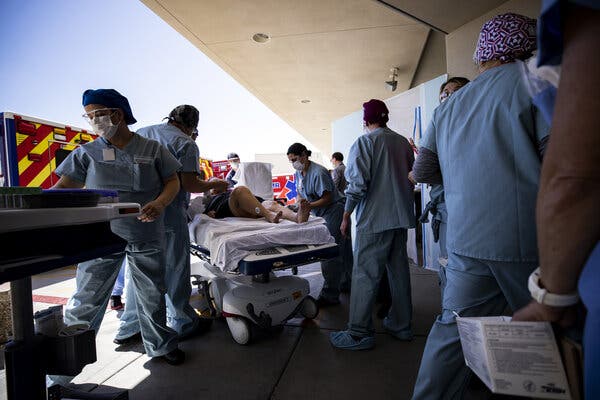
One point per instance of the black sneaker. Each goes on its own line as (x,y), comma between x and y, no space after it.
(174,357)
(115,303)
(129,340)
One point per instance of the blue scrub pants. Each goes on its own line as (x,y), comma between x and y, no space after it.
(180,315)
(95,280)
(120,283)
(373,253)
(589,282)
(442,240)
(474,288)
(333,269)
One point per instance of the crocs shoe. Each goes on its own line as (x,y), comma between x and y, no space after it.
(343,340)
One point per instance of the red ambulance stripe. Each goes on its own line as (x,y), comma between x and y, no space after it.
(34,169)
(28,144)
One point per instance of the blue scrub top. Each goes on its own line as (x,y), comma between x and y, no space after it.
(486,136)
(314,184)
(184,149)
(551,28)
(136,173)
(378,186)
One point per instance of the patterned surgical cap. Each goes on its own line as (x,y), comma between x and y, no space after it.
(506,37)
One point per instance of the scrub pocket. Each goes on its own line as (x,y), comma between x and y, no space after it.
(145,175)
(110,175)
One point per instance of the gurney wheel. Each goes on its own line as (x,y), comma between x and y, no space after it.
(310,308)
(240,329)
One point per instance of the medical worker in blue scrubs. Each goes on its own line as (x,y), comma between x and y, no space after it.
(175,135)
(436,205)
(567,206)
(317,193)
(487,142)
(378,188)
(141,171)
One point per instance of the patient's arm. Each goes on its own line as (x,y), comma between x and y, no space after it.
(191,182)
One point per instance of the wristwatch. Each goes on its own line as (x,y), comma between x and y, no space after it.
(542,296)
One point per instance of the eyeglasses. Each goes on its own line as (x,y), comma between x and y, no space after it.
(98,113)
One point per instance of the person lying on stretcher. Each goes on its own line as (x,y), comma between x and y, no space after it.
(240,202)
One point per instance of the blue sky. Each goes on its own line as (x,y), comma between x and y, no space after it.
(53,50)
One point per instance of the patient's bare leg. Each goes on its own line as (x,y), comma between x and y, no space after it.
(243,204)
(286,213)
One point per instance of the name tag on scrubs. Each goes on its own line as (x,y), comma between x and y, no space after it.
(108,154)
(142,160)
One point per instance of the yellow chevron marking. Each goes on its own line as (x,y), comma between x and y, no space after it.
(21,138)
(45,173)
(40,178)
(42,146)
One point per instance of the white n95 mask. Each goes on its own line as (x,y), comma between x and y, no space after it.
(298,166)
(104,127)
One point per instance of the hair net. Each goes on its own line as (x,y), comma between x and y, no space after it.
(185,115)
(375,111)
(111,99)
(506,37)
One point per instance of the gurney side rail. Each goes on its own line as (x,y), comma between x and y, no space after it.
(200,252)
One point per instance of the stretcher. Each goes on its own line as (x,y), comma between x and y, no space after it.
(234,260)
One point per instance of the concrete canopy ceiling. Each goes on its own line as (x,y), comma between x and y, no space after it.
(335,53)
(444,16)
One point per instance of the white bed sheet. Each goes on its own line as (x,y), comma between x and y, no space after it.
(229,240)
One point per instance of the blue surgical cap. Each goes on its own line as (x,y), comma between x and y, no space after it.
(111,99)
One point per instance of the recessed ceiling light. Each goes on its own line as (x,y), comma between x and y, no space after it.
(261,37)
(304,101)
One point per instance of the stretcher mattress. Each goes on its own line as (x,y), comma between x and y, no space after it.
(230,240)
(280,257)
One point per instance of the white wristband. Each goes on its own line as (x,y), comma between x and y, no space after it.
(542,296)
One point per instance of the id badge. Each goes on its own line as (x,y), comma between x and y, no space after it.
(142,160)
(108,154)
